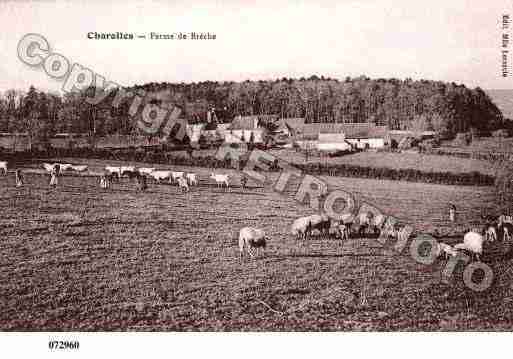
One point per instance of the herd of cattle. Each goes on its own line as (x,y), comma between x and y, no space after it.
(302,228)
(382,226)
(115,173)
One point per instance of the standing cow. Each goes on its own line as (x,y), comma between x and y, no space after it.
(250,238)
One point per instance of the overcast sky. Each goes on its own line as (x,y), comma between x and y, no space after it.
(440,40)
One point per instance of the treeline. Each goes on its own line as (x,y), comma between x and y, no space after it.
(401,104)
(319,169)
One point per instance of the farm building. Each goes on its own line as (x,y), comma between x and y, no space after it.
(307,135)
(242,129)
(69,140)
(287,126)
(366,135)
(333,142)
(15,142)
(336,136)
(398,135)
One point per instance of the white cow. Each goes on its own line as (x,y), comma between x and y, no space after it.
(491,234)
(49,167)
(221,180)
(114,169)
(302,227)
(124,169)
(504,219)
(446,250)
(364,222)
(145,170)
(182,183)
(79,168)
(160,175)
(472,242)
(191,178)
(340,229)
(3,167)
(249,238)
(175,176)
(64,166)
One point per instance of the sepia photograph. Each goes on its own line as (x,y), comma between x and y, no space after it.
(255,167)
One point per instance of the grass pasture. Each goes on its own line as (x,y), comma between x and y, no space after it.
(393,160)
(78,258)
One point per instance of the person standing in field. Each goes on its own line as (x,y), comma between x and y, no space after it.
(104,182)
(53,177)
(19,178)
(452,212)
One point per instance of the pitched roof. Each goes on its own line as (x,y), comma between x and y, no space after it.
(311,131)
(350,130)
(365,130)
(250,122)
(244,123)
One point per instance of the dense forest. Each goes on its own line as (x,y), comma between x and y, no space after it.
(401,104)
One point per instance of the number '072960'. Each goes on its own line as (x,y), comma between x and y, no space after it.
(62,345)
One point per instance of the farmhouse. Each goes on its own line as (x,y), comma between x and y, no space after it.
(340,136)
(366,135)
(243,129)
(333,142)
(287,126)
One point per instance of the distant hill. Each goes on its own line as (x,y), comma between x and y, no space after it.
(504,101)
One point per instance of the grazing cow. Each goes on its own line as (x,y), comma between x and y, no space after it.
(364,221)
(79,168)
(472,242)
(145,170)
(389,230)
(3,167)
(19,178)
(491,233)
(322,225)
(506,231)
(191,178)
(221,180)
(128,171)
(243,181)
(340,229)
(127,168)
(131,174)
(175,176)
(182,184)
(159,175)
(377,222)
(64,166)
(402,233)
(445,250)
(113,169)
(504,219)
(302,227)
(142,184)
(348,220)
(48,167)
(250,238)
